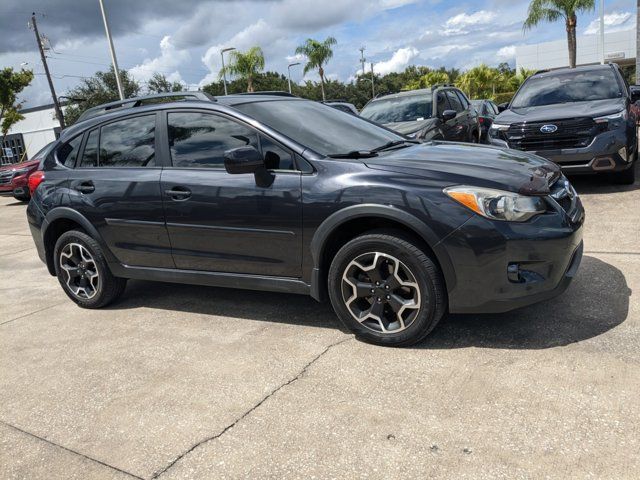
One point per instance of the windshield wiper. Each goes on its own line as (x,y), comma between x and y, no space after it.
(355,154)
(393,143)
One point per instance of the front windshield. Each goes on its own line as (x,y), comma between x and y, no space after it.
(319,127)
(407,108)
(565,87)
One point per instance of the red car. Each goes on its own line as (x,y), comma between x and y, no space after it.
(14,178)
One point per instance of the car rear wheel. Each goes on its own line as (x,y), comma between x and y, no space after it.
(386,290)
(83,272)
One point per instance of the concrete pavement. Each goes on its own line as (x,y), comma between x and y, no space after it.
(180,382)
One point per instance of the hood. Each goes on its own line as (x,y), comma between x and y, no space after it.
(19,166)
(406,128)
(560,111)
(466,164)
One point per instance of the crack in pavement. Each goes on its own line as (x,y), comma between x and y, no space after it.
(32,313)
(299,375)
(95,460)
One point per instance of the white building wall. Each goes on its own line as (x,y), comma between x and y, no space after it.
(617,46)
(36,129)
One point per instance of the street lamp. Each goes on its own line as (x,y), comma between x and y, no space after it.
(224,73)
(289,70)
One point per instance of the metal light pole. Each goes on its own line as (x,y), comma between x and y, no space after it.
(602,29)
(224,72)
(362,59)
(289,70)
(114,60)
(373,83)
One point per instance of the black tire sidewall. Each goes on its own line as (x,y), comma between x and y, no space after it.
(421,266)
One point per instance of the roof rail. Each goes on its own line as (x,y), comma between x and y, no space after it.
(275,93)
(138,101)
(544,70)
(440,85)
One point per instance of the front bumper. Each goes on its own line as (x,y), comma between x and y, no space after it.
(608,152)
(501,266)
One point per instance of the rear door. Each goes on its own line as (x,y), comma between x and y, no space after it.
(116,186)
(220,222)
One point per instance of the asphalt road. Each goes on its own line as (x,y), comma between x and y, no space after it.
(177,382)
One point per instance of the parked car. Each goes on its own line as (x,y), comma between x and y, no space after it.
(416,114)
(14,178)
(342,106)
(487,111)
(238,192)
(583,119)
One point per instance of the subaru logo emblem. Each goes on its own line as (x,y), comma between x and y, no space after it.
(548,128)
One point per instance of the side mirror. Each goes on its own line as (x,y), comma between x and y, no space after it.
(243,160)
(502,107)
(448,115)
(635,93)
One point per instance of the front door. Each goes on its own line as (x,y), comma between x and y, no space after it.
(230,223)
(116,185)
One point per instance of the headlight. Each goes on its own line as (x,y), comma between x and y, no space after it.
(497,204)
(614,120)
(502,127)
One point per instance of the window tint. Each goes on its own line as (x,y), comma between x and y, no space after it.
(463,100)
(275,157)
(454,101)
(68,152)
(405,108)
(442,103)
(128,143)
(199,140)
(90,154)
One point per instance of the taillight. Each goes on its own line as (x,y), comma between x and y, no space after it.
(35,179)
(480,120)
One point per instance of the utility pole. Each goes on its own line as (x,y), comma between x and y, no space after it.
(56,104)
(362,58)
(114,60)
(602,30)
(373,86)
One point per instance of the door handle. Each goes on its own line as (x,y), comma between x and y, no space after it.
(85,187)
(178,193)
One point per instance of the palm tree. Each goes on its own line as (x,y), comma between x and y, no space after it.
(481,81)
(554,10)
(246,65)
(318,54)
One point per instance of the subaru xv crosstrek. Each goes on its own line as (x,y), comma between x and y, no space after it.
(441,112)
(582,118)
(237,192)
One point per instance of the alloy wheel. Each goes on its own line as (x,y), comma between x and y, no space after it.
(381,292)
(80,270)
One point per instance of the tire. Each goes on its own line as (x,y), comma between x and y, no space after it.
(626,177)
(22,198)
(418,287)
(83,272)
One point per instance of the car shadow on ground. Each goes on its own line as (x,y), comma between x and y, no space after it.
(16,203)
(597,301)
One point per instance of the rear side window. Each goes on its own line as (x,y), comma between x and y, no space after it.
(199,140)
(454,101)
(67,153)
(90,154)
(128,143)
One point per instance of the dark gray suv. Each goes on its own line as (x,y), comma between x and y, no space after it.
(581,118)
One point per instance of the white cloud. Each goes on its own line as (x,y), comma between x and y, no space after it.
(507,53)
(167,63)
(480,17)
(398,61)
(613,22)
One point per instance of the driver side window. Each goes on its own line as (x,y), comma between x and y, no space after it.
(441,104)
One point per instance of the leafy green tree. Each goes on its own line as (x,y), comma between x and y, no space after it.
(247,65)
(482,82)
(432,78)
(11,84)
(96,90)
(554,10)
(318,54)
(158,83)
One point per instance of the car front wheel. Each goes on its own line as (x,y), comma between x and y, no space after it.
(83,272)
(386,290)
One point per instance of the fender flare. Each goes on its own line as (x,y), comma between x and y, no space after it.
(329,225)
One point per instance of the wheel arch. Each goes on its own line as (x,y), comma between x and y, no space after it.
(350,222)
(60,220)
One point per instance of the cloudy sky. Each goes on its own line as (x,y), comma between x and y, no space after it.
(182,38)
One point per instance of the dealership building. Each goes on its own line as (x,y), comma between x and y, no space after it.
(619,47)
(39,127)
